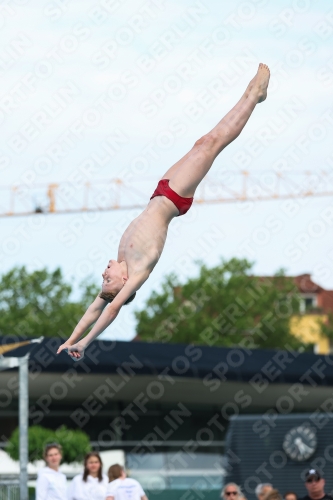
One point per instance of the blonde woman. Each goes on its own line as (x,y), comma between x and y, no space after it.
(51,483)
(122,487)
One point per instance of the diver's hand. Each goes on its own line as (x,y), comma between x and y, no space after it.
(76,351)
(63,346)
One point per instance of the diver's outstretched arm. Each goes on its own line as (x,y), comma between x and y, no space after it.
(89,318)
(107,316)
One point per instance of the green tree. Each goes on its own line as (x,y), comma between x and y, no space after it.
(326,326)
(75,443)
(39,303)
(225,305)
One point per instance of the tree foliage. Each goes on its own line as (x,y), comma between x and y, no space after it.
(326,326)
(75,443)
(225,305)
(39,303)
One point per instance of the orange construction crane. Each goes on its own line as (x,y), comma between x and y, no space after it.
(119,194)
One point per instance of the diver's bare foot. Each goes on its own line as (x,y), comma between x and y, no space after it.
(258,85)
(249,88)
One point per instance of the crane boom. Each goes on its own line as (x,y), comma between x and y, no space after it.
(118,194)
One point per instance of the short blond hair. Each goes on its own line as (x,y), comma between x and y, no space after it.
(109,297)
(273,495)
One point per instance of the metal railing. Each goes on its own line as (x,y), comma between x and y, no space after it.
(9,490)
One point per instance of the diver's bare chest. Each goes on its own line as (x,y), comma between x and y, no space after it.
(142,242)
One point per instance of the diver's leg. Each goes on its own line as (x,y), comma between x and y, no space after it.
(186,175)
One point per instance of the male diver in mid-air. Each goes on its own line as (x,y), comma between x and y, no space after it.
(142,243)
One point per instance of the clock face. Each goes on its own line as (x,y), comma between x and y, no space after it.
(300,443)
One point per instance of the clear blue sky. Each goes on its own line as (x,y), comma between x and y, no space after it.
(165,69)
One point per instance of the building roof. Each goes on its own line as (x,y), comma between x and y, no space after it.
(303,282)
(198,375)
(305,285)
(180,360)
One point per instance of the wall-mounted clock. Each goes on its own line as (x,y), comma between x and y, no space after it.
(300,443)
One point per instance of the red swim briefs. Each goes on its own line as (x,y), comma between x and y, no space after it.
(163,189)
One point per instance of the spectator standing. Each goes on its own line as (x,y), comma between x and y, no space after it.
(315,485)
(262,490)
(290,495)
(92,484)
(122,487)
(231,491)
(51,484)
